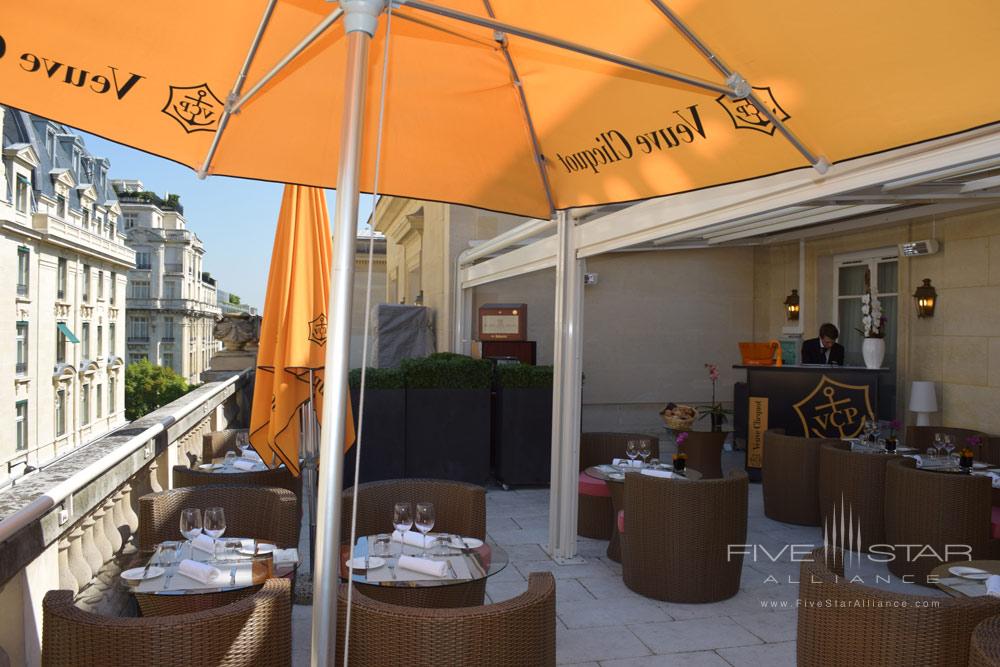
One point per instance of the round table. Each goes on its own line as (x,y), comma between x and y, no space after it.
(945,577)
(616,485)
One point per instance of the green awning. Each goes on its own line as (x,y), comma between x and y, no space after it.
(70,336)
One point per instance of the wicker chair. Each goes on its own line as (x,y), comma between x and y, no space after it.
(984,648)
(254,631)
(845,623)
(519,631)
(790,478)
(259,512)
(951,509)
(214,445)
(595,516)
(853,483)
(922,437)
(704,452)
(279,478)
(676,536)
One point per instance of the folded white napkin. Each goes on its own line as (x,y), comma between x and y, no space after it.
(626,462)
(285,556)
(436,568)
(657,473)
(201,572)
(245,464)
(252,455)
(993,586)
(915,457)
(996,479)
(204,543)
(411,537)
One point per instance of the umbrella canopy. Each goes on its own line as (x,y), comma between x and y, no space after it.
(292,351)
(505,122)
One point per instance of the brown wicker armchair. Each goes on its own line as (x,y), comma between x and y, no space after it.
(791,478)
(704,452)
(256,630)
(841,622)
(853,483)
(214,445)
(984,648)
(922,437)
(595,516)
(675,545)
(936,509)
(262,513)
(519,631)
(279,478)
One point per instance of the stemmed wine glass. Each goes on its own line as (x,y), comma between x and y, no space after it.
(645,449)
(938,443)
(949,444)
(215,522)
(190,523)
(402,519)
(424,521)
(632,449)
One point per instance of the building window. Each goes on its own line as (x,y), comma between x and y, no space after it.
(21,424)
(140,289)
(112,386)
(100,285)
(86,217)
(21,194)
(61,206)
(22,348)
(86,340)
(60,345)
(112,343)
(99,399)
(142,260)
(23,270)
(130,219)
(84,404)
(168,328)
(61,272)
(114,287)
(167,360)
(60,412)
(134,358)
(170,289)
(100,341)
(86,283)
(138,328)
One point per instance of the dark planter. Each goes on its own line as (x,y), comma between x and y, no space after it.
(448,434)
(522,437)
(384,434)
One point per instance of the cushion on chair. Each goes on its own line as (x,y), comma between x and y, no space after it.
(996,523)
(621,521)
(590,486)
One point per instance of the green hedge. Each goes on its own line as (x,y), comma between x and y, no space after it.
(377,378)
(445,370)
(523,376)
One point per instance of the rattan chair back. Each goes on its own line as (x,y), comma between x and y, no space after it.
(214,445)
(279,478)
(853,484)
(922,437)
(984,648)
(790,476)
(598,448)
(704,452)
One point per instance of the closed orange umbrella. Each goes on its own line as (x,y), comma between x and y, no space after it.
(293,332)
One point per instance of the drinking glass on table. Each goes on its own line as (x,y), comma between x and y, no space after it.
(191,525)
(949,444)
(424,521)
(402,519)
(632,449)
(229,460)
(939,443)
(645,449)
(215,522)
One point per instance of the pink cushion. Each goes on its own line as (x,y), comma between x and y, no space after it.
(591,486)
(621,521)
(996,523)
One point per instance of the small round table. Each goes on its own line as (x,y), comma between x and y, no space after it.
(616,485)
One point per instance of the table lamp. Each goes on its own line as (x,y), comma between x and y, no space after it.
(923,401)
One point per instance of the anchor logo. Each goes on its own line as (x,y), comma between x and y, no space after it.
(834,410)
(317,330)
(196,108)
(745,114)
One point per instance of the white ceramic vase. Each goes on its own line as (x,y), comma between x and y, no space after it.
(873,350)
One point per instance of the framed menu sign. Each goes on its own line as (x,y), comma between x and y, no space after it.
(503,321)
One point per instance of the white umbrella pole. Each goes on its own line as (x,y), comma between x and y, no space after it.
(360,21)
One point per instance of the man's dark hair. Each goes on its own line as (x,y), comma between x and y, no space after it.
(827,330)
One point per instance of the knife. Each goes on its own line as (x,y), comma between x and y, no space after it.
(145,570)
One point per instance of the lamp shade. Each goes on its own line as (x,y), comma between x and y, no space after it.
(923,397)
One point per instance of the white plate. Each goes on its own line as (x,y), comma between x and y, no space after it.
(472,543)
(209,466)
(140,573)
(980,466)
(359,563)
(616,475)
(262,549)
(969,572)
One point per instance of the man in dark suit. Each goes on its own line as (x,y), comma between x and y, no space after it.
(825,349)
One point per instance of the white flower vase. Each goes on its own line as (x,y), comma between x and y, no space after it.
(873,351)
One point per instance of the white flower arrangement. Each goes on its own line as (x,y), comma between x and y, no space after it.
(873,323)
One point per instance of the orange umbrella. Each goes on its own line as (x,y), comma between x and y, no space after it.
(292,350)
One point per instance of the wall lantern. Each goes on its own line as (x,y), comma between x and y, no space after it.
(792,305)
(926,298)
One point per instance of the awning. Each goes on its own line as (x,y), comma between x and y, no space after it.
(70,336)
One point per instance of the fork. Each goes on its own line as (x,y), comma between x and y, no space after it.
(232,576)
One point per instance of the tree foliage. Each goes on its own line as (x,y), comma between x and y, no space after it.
(148,387)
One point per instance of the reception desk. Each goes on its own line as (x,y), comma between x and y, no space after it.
(808,400)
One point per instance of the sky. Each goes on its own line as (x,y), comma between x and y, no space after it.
(235,218)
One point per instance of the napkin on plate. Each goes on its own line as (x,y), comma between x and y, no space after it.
(285,556)
(436,568)
(411,537)
(200,572)
(915,457)
(993,586)
(657,473)
(245,464)
(626,463)
(204,543)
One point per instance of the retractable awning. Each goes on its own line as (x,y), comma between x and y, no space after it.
(70,336)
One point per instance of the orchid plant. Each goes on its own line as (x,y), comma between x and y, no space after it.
(872,319)
(717,412)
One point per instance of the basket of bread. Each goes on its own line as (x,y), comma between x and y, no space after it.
(678,417)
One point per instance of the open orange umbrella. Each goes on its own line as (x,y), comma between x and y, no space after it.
(292,353)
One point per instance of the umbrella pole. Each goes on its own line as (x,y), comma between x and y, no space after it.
(309,467)
(360,22)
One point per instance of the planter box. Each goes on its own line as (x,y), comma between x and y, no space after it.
(522,437)
(384,436)
(448,434)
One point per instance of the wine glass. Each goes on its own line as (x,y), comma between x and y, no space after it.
(632,449)
(949,444)
(190,523)
(402,519)
(938,443)
(645,449)
(424,521)
(229,460)
(215,522)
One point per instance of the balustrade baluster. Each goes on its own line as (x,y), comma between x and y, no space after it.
(111,527)
(101,541)
(67,580)
(78,563)
(90,550)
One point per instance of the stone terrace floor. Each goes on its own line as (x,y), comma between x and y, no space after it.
(601,622)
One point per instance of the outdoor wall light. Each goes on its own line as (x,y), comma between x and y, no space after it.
(926,298)
(792,305)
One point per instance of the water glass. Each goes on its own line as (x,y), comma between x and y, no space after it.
(191,523)
(632,449)
(381,545)
(230,460)
(645,449)
(424,521)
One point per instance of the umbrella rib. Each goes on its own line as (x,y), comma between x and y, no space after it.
(519,86)
(570,46)
(237,87)
(742,88)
